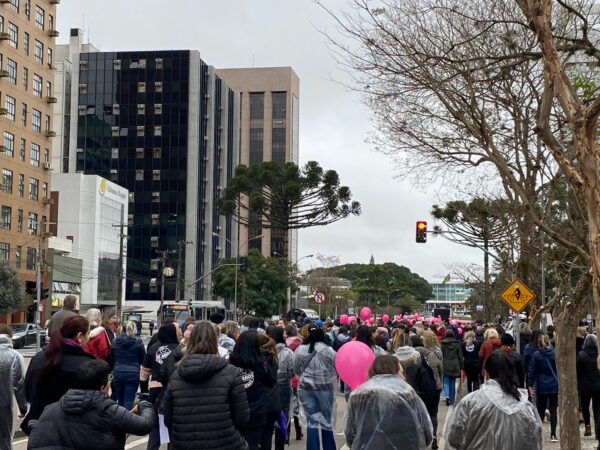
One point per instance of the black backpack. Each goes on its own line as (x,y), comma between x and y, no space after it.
(426,379)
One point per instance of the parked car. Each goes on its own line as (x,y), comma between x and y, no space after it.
(24,334)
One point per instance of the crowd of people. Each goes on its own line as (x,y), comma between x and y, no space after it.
(226,386)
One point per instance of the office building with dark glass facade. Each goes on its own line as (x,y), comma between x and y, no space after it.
(162,125)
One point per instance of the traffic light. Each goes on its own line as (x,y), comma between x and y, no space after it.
(421,232)
(244,263)
(43,293)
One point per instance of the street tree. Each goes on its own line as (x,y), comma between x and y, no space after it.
(12,292)
(286,197)
(262,289)
(493,95)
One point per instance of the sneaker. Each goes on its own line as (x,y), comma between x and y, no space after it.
(553,439)
(434,444)
(447,402)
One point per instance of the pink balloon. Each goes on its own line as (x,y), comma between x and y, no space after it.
(351,319)
(460,331)
(365,313)
(352,362)
(385,318)
(409,322)
(343,319)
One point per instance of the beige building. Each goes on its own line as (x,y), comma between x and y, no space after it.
(27,33)
(269,132)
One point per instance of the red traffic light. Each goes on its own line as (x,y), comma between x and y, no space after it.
(421,237)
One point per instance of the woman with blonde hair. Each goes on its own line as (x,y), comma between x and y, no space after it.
(470,349)
(127,355)
(491,343)
(99,342)
(400,339)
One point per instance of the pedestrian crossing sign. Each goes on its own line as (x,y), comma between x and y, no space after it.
(517,295)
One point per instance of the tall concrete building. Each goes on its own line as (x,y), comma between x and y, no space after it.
(269,132)
(163,125)
(27,32)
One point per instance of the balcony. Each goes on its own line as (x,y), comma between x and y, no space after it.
(52,33)
(47,201)
(50,133)
(51,99)
(4,36)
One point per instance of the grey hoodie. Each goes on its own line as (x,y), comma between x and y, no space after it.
(11,375)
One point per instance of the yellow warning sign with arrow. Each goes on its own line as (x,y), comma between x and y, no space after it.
(517,295)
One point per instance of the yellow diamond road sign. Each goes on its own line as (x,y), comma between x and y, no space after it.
(517,295)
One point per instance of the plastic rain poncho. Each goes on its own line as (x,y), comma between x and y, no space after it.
(492,420)
(386,413)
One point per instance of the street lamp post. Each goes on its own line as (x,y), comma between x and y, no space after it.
(296,294)
(237,256)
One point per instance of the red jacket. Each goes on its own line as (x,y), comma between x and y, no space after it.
(487,348)
(98,345)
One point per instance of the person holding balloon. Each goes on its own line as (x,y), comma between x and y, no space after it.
(314,364)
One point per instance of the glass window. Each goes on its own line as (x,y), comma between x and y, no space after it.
(26,43)
(5,217)
(34,187)
(1,24)
(48,89)
(156,153)
(38,52)
(34,157)
(131,198)
(20,220)
(31,255)
(28,9)
(24,114)
(154,241)
(37,85)
(116,64)
(155,219)
(9,143)
(130,219)
(44,190)
(156,175)
(22,146)
(21,185)
(47,123)
(136,287)
(257,106)
(83,88)
(141,108)
(139,175)
(50,22)
(157,130)
(25,78)
(10,104)
(115,153)
(7,181)
(14,5)
(32,224)
(116,109)
(46,155)
(159,63)
(158,86)
(140,130)
(39,17)
(49,57)
(36,120)
(139,153)
(13,33)
(141,87)
(114,130)
(4,251)
(157,108)
(156,197)
(12,71)
(123,131)
(18,251)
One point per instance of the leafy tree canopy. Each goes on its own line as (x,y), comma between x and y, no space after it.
(12,293)
(262,289)
(286,196)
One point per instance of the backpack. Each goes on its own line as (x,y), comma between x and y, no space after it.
(426,378)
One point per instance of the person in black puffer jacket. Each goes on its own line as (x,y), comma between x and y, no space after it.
(258,377)
(588,381)
(205,403)
(87,418)
(470,350)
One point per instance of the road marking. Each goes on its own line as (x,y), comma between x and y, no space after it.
(136,443)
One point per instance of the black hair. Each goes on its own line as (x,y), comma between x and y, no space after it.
(315,334)
(344,329)
(93,374)
(416,340)
(276,333)
(246,352)
(501,366)
(535,336)
(254,323)
(363,334)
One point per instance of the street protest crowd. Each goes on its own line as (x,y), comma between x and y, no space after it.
(221,385)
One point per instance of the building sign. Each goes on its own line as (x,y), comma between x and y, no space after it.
(108,189)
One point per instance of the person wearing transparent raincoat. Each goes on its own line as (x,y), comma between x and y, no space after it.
(314,364)
(386,413)
(498,416)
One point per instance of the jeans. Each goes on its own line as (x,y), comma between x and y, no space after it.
(317,406)
(594,397)
(6,424)
(252,436)
(450,388)
(472,373)
(126,386)
(154,395)
(551,402)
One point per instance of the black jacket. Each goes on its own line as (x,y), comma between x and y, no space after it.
(127,354)
(44,389)
(471,354)
(205,404)
(588,376)
(88,420)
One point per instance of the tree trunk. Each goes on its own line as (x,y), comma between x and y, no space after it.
(487,301)
(566,333)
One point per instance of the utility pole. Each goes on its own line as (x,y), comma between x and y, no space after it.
(38,284)
(180,246)
(163,258)
(120,273)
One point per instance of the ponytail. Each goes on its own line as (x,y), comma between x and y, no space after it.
(70,328)
(501,367)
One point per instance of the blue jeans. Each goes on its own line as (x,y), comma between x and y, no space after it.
(126,386)
(317,406)
(450,388)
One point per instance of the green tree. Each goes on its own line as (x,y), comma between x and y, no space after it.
(262,289)
(286,197)
(12,292)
